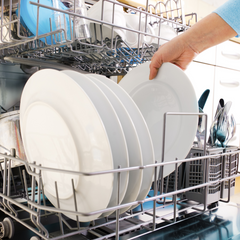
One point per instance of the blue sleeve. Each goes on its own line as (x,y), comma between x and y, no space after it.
(230,13)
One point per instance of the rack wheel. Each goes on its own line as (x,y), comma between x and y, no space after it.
(6,228)
(212,205)
(34,238)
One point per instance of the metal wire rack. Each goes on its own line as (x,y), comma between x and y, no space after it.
(22,189)
(110,55)
(23,199)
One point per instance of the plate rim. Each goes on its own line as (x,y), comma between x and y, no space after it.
(149,157)
(143,70)
(28,97)
(117,124)
(129,196)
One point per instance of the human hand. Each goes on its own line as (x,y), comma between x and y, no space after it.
(182,49)
(176,51)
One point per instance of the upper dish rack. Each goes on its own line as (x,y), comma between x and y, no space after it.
(96,53)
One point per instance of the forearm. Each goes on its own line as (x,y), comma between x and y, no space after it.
(181,50)
(208,32)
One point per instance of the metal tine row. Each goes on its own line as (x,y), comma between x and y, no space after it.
(148,13)
(37,207)
(163,9)
(36,220)
(21,37)
(105,56)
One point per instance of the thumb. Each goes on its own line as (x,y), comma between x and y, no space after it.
(154,67)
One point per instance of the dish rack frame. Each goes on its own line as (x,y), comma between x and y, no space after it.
(22,191)
(110,56)
(23,200)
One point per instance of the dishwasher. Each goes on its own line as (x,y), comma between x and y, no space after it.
(192,202)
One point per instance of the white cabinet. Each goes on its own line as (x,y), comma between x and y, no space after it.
(228,55)
(235,141)
(227,86)
(208,56)
(218,69)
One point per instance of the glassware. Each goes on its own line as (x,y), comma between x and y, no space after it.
(59,23)
(81,25)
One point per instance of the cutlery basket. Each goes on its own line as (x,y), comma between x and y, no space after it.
(201,171)
(230,166)
(169,181)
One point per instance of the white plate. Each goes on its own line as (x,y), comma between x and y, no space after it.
(133,144)
(166,32)
(62,129)
(105,30)
(114,130)
(170,91)
(142,132)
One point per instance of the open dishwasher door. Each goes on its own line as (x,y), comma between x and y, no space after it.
(23,204)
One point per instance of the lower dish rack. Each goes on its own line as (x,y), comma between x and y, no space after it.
(23,200)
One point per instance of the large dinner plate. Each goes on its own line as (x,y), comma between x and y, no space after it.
(170,91)
(142,132)
(61,128)
(114,130)
(133,144)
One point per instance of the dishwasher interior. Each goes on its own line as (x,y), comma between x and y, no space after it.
(201,182)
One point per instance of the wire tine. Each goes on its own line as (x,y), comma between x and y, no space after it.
(2,21)
(58,205)
(112,28)
(1,170)
(13,181)
(37,26)
(230,180)
(101,25)
(9,178)
(10,18)
(25,183)
(166,189)
(155,194)
(39,187)
(175,189)
(65,28)
(183,14)
(171,9)
(9,188)
(95,32)
(141,205)
(42,191)
(70,26)
(5,176)
(20,175)
(118,202)
(75,203)
(33,186)
(163,152)
(60,24)
(50,24)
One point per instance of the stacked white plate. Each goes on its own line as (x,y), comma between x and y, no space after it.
(87,123)
(170,91)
